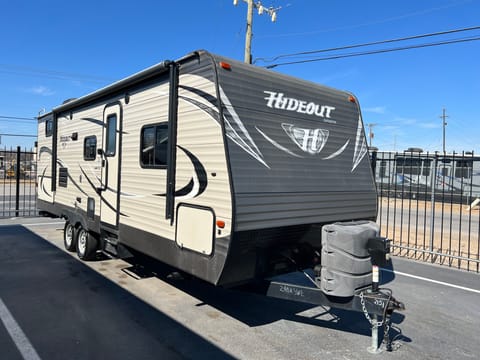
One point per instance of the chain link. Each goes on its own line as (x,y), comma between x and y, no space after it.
(367,315)
(385,323)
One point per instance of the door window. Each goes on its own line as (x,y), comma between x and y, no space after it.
(111,142)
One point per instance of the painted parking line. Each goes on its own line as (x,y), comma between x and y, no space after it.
(432,281)
(16,333)
(36,224)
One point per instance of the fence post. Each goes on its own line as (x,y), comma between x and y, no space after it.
(17,183)
(433,181)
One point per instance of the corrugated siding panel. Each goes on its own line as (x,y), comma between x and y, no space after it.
(44,163)
(292,209)
(70,156)
(142,207)
(277,154)
(197,132)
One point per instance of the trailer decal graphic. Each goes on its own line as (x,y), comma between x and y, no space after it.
(360,146)
(280,101)
(310,141)
(95,121)
(276,144)
(62,164)
(110,206)
(234,127)
(338,152)
(197,184)
(44,149)
(42,184)
(245,142)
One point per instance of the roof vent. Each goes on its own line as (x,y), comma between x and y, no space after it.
(68,100)
(413,149)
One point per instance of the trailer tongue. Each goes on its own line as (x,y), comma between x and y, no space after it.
(312,286)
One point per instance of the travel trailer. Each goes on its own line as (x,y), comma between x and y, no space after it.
(223,170)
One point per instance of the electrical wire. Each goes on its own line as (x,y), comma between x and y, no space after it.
(19,135)
(341,56)
(369,44)
(4,117)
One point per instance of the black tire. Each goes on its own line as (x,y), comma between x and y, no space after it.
(69,237)
(87,244)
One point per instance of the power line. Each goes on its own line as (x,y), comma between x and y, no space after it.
(370,43)
(15,118)
(381,51)
(19,135)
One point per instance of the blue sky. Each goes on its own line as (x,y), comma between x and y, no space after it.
(54,50)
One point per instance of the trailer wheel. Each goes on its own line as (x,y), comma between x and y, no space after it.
(87,244)
(69,237)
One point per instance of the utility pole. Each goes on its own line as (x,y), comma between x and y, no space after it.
(261,11)
(444,116)
(248,36)
(370,133)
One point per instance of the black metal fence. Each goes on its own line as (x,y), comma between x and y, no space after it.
(429,205)
(18,193)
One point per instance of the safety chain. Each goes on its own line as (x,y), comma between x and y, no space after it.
(385,323)
(367,315)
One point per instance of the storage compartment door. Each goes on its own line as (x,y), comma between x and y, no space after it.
(195,228)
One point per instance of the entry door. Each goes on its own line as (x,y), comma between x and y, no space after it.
(110,196)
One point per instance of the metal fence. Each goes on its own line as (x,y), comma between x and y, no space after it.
(429,205)
(428,202)
(18,193)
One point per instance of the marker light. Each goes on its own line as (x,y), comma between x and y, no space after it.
(352,99)
(225,65)
(221,224)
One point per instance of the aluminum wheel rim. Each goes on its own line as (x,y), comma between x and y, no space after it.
(69,235)
(82,242)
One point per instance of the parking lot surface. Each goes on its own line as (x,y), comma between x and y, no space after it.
(66,308)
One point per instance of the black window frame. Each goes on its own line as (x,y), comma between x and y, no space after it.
(108,151)
(142,131)
(85,148)
(48,127)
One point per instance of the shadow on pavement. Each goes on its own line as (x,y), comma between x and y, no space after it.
(67,310)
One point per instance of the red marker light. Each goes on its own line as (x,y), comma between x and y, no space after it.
(225,65)
(352,99)
(221,224)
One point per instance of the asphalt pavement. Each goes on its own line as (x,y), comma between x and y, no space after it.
(68,309)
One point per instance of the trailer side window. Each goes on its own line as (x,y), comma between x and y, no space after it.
(48,128)
(111,143)
(408,166)
(383,169)
(154,146)
(90,148)
(463,169)
(427,163)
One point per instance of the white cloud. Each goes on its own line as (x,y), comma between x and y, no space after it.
(41,90)
(429,125)
(375,110)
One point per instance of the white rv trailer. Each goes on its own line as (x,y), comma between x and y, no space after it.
(210,165)
(415,173)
